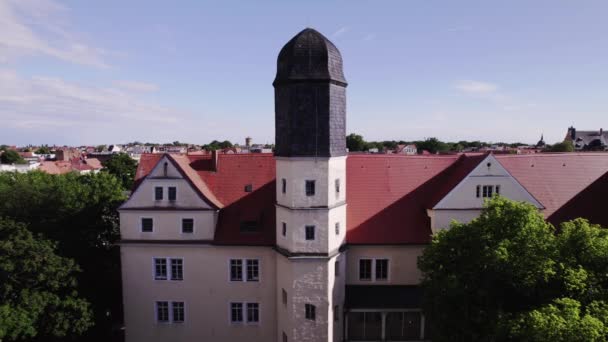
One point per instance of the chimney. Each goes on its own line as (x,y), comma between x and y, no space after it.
(248,142)
(214,160)
(601,132)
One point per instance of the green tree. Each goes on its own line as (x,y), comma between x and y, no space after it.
(101,148)
(122,167)
(78,212)
(565,146)
(38,294)
(10,157)
(355,142)
(44,149)
(433,145)
(508,275)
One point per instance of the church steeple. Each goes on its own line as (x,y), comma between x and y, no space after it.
(310,98)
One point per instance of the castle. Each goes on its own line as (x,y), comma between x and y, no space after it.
(311,243)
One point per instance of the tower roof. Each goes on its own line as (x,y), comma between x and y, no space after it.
(309,56)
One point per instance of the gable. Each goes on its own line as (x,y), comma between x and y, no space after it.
(489,173)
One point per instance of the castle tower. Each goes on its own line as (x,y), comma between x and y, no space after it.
(310,152)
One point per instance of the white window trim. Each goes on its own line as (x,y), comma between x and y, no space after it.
(141,226)
(169,271)
(244,271)
(170,307)
(373,270)
(245,321)
(181,227)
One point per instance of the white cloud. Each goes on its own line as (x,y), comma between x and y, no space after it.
(136,86)
(39,103)
(476,87)
(340,32)
(39,27)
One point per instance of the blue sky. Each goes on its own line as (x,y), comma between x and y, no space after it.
(91,72)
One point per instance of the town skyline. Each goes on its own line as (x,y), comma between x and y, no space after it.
(467,71)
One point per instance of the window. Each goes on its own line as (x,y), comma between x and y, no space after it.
(336,313)
(478,191)
(365,326)
(337,185)
(253,270)
(310,232)
(284,296)
(147,225)
(365,269)
(487,190)
(249,226)
(284,229)
(310,312)
(178,312)
(236,312)
(172,193)
(160,268)
(249,267)
(284,337)
(498,189)
(177,269)
(337,228)
(283,185)
(187,225)
(253,312)
(381,269)
(310,188)
(158,193)
(337,268)
(165,169)
(403,325)
(373,269)
(162,312)
(248,188)
(236,270)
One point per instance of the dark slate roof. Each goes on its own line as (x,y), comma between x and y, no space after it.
(383,297)
(309,56)
(586,138)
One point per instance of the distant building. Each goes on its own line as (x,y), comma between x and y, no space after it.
(406,149)
(541,142)
(66,154)
(588,140)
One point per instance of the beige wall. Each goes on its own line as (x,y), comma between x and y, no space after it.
(402,264)
(206,291)
(144,195)
(167,224)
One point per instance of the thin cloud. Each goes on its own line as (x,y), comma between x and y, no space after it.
(136,86)
(39,27)
(476,87)
(340,32)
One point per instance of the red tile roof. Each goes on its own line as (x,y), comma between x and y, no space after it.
(388,195)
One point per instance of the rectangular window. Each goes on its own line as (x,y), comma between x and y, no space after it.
(381,269)
(253,270)
(172,193)
(311,312)
(177,269)
(478,191)
(236,270)
(365,269)
(178,312)
(310,232)
(487,190)
(498,189)
(403,326)
(253,312)
(338,185)
(284,229)
(336,313)
(160,268)
(310,188)
(337,268)
(283,185)
(147,225)
(162,312)
(337,228)
(284,296)
(187,225)
(158,193)
(236,312)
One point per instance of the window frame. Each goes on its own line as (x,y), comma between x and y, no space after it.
(174,193)
(244,270)
(309,229)
(373,267)
(310,312)
(230,312)
(162,193)
(154,274)
(257,270)
(168,268)
(172,308)
(156,312)
(337,186)
(170,264)
(244,313)
(141,224)
(283,185)
(310,187)
(182,225)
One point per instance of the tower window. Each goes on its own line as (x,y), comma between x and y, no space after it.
(337,228)
(310,188)
(337,185)
(284,229)
(284,296)
(311,312)
(283,185)
(310,232)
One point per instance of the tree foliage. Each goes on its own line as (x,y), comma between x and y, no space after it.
(508,275)
(217,145)
(38,294)
(565,146)
(10,157)
(122,167)
(44,149)
(78,212)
